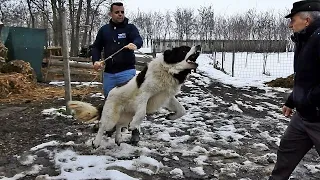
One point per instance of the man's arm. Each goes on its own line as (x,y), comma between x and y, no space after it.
(289,103)
(97,46)
(314,94)
(135,36)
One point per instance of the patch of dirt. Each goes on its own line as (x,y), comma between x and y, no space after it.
(23,126)
(282,82)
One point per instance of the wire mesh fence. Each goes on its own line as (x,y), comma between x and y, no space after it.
(249,64)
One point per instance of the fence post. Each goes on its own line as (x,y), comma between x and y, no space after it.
(223,56)
(233,59)
(153,45)
(65,52)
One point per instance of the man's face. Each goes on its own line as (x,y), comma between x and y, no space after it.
(117,14)
(298,23)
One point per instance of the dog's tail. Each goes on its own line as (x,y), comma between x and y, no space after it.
(84,112)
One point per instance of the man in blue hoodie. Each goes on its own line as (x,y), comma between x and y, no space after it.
(112,37)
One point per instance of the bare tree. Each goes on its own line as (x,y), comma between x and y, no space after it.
(206,22)
(87,19)
(158,24)
(185,22)
(168,25)
(31,14)
(75,15)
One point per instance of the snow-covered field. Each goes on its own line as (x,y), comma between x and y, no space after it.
(227,133)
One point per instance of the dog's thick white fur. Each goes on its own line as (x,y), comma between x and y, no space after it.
(155,87)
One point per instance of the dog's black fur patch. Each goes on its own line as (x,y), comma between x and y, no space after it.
(176,54)
(182,75)
(141,76)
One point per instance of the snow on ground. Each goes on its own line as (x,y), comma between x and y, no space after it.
(78,84)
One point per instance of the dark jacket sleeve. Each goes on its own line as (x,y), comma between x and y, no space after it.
(135,36)
(314,94)
(97,46)
(289,103)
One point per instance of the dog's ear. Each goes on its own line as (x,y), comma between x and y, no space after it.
(167,55)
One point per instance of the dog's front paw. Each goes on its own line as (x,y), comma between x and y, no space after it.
(118,142)
(95,144)
(173,116)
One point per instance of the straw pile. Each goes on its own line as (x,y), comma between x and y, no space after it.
(16,77)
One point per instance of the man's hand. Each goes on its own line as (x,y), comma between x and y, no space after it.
(287,112)
(131,46)
(98,65)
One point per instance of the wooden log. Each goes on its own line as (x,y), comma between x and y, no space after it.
(71,64)
(72,71)
(79,59)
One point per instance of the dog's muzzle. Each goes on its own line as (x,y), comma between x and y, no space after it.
(193,57)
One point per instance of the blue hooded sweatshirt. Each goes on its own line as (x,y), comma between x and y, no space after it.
(112,37)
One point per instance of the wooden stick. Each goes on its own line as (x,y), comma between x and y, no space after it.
(65,52)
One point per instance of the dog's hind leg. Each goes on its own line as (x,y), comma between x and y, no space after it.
(135,137)
(176,107)
(118,135)
(109,119)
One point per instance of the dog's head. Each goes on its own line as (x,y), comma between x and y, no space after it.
(181,58)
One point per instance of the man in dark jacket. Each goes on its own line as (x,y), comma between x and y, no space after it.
(303,131)
(112,37)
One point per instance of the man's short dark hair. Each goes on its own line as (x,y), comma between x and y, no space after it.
(115,4)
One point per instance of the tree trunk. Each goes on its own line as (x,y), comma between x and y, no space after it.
(85,33)
(55,25)
(31,14)
(77,36)
(72,22)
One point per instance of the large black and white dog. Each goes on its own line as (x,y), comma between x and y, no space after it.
(153,88)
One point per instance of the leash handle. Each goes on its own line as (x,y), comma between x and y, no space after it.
(110,57)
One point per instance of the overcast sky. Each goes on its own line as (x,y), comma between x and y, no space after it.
(220,6)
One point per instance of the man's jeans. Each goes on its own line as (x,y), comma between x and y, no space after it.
(112,80)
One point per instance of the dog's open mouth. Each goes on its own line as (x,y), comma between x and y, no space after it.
(192,59)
